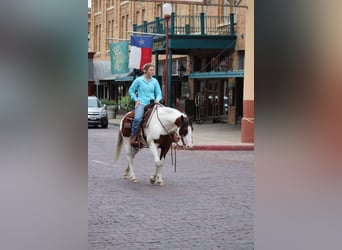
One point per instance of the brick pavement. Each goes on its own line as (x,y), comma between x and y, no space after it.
(206,204)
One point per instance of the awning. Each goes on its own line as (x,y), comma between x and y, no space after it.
(102,72)
(217,74)
(127,78)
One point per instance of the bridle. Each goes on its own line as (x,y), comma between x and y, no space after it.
(183,129)
(179,134)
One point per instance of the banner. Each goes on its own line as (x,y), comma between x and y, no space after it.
(141,51)
(119,57)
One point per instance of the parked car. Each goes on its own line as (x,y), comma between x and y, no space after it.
(97,115)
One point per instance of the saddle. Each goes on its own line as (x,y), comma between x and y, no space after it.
(128,120)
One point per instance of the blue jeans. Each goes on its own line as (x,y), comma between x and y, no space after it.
(138,116)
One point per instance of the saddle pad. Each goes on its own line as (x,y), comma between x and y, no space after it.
(127,124)
(128,119)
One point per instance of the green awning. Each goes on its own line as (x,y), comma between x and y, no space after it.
(217,74)
(126,78)
(102,72)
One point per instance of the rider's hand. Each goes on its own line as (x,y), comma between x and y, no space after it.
(137,103)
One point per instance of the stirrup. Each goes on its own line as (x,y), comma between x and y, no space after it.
(134,143)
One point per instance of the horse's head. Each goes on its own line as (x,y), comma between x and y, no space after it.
(184,131)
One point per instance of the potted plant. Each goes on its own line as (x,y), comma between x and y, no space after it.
(111,107)
(126,103)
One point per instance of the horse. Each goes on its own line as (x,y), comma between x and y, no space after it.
(165,126)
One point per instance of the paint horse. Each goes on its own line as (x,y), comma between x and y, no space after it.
(163,127)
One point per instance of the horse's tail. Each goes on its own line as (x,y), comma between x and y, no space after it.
(118,146)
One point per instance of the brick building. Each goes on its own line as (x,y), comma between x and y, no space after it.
(206,52)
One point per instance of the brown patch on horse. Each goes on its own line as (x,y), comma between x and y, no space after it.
(179,121)
(165,142)
(183,123)
(183,130)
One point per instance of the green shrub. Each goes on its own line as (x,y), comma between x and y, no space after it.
(108,102)
(126,103)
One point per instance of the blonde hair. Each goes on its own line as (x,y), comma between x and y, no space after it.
(147,66)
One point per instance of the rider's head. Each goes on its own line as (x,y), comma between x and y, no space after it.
(149,69)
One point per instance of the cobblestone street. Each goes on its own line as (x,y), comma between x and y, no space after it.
(206,204)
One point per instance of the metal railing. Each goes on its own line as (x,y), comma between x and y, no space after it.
(190,25)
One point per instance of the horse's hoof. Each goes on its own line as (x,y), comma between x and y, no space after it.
(135,180)
(126,176)
(160,183)
(152,179)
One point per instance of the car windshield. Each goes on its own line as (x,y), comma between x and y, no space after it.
(93,103)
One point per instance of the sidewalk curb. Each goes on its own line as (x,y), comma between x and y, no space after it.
(219,148)
(231,147)
(223,147)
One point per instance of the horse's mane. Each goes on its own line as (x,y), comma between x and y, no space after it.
(173,110)
(167,118)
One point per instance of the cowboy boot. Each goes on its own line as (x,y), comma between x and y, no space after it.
(133,140)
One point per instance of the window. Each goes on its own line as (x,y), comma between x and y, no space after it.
(98,38)
(124,25)
(160,10)
(196,21)
(143,15)
(137,18)
(227,10)
(109,32)
(97,5)
(109,3)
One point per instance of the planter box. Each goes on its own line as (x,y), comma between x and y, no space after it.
(111,111)
(231,115)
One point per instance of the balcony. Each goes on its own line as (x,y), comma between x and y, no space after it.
(188,33)
(189,25)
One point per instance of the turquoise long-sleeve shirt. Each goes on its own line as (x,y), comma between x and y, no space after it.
(146,90)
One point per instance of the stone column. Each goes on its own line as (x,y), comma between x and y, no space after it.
(247,124)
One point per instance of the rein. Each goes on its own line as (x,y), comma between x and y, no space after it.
(169,134)
(175,158)
(171,142)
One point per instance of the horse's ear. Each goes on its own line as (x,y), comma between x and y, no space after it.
(179,121)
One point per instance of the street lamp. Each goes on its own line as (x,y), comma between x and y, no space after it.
(167,10)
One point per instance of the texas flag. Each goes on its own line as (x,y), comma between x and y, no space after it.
(141,51)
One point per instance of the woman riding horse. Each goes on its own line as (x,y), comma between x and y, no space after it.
(143,89)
